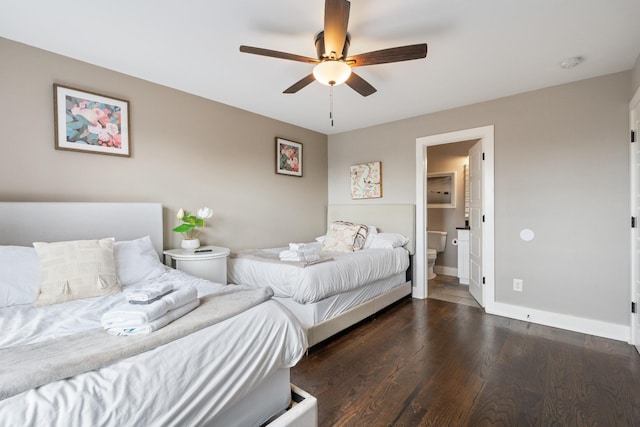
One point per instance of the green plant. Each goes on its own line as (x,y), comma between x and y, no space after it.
(192,225)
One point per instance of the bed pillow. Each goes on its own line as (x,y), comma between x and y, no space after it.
(345,237)
(137,261)
(370,236)
(76,269)
(388,241)
(19,275)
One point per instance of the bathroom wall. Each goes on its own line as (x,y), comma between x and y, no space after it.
(440,159)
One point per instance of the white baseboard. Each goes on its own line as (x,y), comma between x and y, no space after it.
(563,321)
(448,271)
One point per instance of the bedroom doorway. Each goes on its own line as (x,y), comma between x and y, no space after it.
(485,253)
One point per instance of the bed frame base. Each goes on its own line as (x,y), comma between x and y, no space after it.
(327,328)
(303,411)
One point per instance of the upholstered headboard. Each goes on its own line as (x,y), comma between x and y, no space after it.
(22,223)
(387,218)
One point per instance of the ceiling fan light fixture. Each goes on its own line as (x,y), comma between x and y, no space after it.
(331,72)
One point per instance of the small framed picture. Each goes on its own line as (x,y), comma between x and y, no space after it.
(366,180)
(288,157)
(91,123)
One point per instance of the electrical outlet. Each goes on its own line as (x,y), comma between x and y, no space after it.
(517,285)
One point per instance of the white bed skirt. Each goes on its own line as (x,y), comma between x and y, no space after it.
(334,314)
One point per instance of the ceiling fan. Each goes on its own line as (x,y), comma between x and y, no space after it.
(333,66)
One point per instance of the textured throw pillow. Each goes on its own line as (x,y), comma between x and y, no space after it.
(361,237)
(75,270)
(137,261)
(345,237)
(19,275)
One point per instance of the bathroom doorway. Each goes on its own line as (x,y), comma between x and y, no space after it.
(486,249)
(448,269)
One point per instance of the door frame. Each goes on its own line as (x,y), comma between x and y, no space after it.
(634,330)
(486,135)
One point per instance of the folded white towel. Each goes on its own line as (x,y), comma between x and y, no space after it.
(297,246)
(130,315)
(160,322)
(301,255)
(148,294)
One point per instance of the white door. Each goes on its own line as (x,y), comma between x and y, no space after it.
(635,212)
(475,222)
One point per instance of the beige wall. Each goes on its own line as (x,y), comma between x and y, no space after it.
(187,152)
(561,169)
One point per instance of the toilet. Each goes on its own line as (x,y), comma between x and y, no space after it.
(436,241)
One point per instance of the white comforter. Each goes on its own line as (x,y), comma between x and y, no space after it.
(313,283)
(186,382)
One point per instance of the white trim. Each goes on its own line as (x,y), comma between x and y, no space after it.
(635,267)
(563,321)
(485,134)
(635,99)
(447,271)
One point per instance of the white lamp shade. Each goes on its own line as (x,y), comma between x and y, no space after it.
(331,72)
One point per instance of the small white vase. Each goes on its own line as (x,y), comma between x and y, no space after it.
(190,244)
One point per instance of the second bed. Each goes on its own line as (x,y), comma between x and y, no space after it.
(330,296)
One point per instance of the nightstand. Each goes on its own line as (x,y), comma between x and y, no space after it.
(207,262)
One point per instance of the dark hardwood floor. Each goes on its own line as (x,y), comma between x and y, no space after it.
(436,363)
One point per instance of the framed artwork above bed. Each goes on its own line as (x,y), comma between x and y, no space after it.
(91,123)
(288,157)
(366,180)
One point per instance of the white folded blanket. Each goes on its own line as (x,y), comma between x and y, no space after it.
(148,294)
(305,254)
(300,258)
(160,322)
(127,315)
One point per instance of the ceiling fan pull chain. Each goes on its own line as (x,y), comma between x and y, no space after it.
(331,104)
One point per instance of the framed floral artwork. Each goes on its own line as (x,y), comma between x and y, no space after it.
(288,157)
(89,122)
(366,180)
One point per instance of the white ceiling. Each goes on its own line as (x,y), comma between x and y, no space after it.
(478,49)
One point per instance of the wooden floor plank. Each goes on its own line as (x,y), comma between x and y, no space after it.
(431,362)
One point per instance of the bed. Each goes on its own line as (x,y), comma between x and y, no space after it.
(234,372)
(330,296)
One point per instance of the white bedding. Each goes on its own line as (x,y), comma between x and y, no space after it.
(346,272)
(313,313)
(199,376)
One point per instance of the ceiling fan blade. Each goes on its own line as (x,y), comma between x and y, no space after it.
(384,56)
(277,54)
(360,85)
(336,20)
(303,82)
